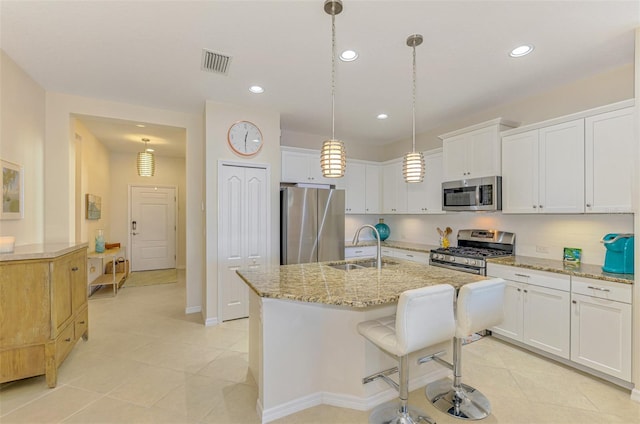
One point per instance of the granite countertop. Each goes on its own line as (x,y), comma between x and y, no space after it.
(415,247)
(361,288)
(41,251)
(557,266)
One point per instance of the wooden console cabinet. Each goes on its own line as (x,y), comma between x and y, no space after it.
(43,309)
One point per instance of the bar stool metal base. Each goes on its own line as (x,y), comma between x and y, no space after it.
(391,413)
(468,404)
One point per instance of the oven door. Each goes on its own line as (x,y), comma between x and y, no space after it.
(457,267)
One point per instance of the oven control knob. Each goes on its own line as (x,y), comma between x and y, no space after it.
(465,261)
(453,259)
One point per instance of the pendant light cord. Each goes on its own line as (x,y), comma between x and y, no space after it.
(413,148)
(333,70)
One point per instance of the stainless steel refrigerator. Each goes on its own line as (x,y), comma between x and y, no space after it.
(311,225)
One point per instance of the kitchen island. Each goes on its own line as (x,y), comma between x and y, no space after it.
(304,349)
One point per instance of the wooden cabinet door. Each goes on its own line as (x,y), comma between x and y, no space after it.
(561,150)
(78,280)
(609,141)
(601,335)
(520,173)
(62,290)
(546,319)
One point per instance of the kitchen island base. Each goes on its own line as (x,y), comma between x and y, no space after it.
(305,354)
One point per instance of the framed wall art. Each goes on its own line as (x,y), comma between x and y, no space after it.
(94,206)
(12,206)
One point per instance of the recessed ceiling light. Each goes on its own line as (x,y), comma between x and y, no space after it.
(256,89)
(348,56)
(521,50)
(139,125)
(382,116)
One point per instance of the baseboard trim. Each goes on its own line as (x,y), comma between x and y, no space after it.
(343,400)
(192,309)
(635,395)
(210,322)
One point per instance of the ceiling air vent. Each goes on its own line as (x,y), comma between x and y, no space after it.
(215,62)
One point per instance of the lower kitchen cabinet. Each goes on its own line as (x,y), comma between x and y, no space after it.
(408,255)
(535,313)
(43,312)
(360,252)
(601,326)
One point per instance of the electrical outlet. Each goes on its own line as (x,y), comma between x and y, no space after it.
(542,249)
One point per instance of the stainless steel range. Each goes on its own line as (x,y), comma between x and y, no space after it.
(474,246)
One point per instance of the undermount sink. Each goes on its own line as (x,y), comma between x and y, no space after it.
(360,265)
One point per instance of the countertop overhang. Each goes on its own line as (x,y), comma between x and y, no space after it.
(41,251)
(361,288)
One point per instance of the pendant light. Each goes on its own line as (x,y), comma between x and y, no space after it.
(146,162)
(413,163)
(333,156)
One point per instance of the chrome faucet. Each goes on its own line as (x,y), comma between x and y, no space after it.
(356,239)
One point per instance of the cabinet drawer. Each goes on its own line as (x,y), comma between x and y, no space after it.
(64,343)
(618,292)
(412,256)
(529,276)
(81,323)
(360,252)
(387,251)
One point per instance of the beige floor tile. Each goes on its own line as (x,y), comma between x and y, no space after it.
(103,374)
(55,406)
(231,366)
(148,384)
(177,356)
(107,410)
(325,414)
(17,393)
(238,406)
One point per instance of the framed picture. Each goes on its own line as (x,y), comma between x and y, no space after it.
(94,206)
(12,191)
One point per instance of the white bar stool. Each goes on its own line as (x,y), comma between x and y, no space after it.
(424,317)
(479,306)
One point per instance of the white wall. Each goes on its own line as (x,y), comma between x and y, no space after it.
(314,141)
(170,171)
(22,130)
(94,178)
(219,117)
(60,201)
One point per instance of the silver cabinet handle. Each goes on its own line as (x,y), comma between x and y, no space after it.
(540,206)
(519,289)
(588,205)
(409,256)
(598,288)
(574,302)
(523,275)
(535,207)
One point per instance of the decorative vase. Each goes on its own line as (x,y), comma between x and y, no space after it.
(99,241)
(383,230)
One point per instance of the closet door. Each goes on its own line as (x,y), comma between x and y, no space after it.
(242,227)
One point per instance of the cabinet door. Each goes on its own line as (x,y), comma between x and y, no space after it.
(372,189)
(511,326)
(62,291)
(454,157)
(483,159)
(562,168)
(433,177)
(355,188)
(394,189)
(79,280)
(417,197)
(609,142)
(601,335)
(546,316)
(520,173)
(295,167)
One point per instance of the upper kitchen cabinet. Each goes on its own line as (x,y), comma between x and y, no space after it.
(473,152)
(362,188)
(571,164)
(303,166)
(609,143)
(394,189)
(543,170)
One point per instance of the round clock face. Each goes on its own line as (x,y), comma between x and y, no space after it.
(245,138)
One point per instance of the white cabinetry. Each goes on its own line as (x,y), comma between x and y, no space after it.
(572,164)
(360,252)
(601,326)
(543,170)
(302,166)
(414,198)
(609,143)
(474,151)
(536,308)
(408,255)
(362,188)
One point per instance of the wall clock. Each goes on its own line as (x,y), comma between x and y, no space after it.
(245,138)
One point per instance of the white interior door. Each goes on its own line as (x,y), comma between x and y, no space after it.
(243,219)
(153,228)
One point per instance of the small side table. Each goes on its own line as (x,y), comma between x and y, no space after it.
(108,279)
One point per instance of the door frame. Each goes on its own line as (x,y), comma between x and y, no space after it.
(176,210)
(221,163)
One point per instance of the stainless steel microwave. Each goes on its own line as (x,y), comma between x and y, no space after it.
(473,194)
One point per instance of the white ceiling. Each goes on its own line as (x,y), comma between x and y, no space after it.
(149,53)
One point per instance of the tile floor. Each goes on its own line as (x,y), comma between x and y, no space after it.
(146,362)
